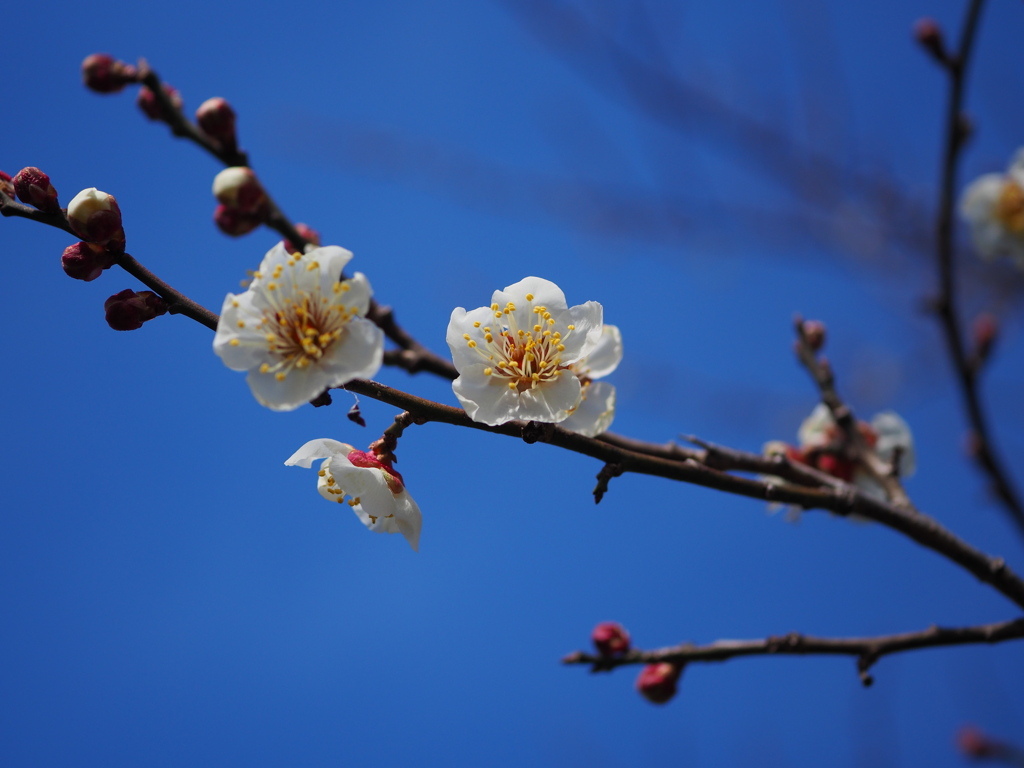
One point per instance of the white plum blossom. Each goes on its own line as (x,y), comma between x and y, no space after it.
(821,445)
(993,204)
(515,357)
(596,409)
(299,328)
(373,489)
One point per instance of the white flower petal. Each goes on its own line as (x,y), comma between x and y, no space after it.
(358,354)
(584,338)
(487,399)
(979,199)
(359,293)
(814,429)
(552,402)
(544,292)
(894,433)
(241,348)
(321,448)
(605,357)
(297,388)
(595,412)
(461,323)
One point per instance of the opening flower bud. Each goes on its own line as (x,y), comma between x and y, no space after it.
(151,107)
(610,638)
(33,187)
(658,682)
(234,222)
(128,310)
(95,216)
(217,119)
(239,188)
(85,261)
(307,232)
(105,74)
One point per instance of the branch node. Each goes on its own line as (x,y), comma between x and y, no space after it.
(608,471)
(537,432)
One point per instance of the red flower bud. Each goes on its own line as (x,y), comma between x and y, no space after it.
(239,188)
(151,107)
(307,232)
(128,310)
(658,682)
(610,638)
(234,222)
(95,216)
(7,186)
(105,74)
(84,261)
(217,119)
(33,187)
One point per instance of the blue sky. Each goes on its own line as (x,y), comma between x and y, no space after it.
(173,594)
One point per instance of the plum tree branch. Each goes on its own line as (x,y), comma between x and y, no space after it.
(956,133)
(866,650)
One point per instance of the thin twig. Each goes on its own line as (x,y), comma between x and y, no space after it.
(867,650)
(946,305)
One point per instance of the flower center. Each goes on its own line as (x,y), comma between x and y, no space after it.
(522,357)
(300,325)
(1010,207)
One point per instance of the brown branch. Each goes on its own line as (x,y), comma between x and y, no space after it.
(867,650)
(841,499)
(704,468)
(946,304)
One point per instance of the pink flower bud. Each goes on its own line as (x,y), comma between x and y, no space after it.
(610,638)
(151,107)
(95,216)
(658,682)
(307,232)
(85,261)
(34,188)
(105,74)
(234,222)
(7,186)
(239,188)
(217,119)
(128,310)
(814,334)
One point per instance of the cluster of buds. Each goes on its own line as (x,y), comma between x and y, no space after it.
(243,202)
(150,105)
(659,682)
(33,187)
(128,310)
(105,74)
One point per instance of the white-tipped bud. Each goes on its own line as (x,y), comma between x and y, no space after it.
(239,188)
(96,217)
